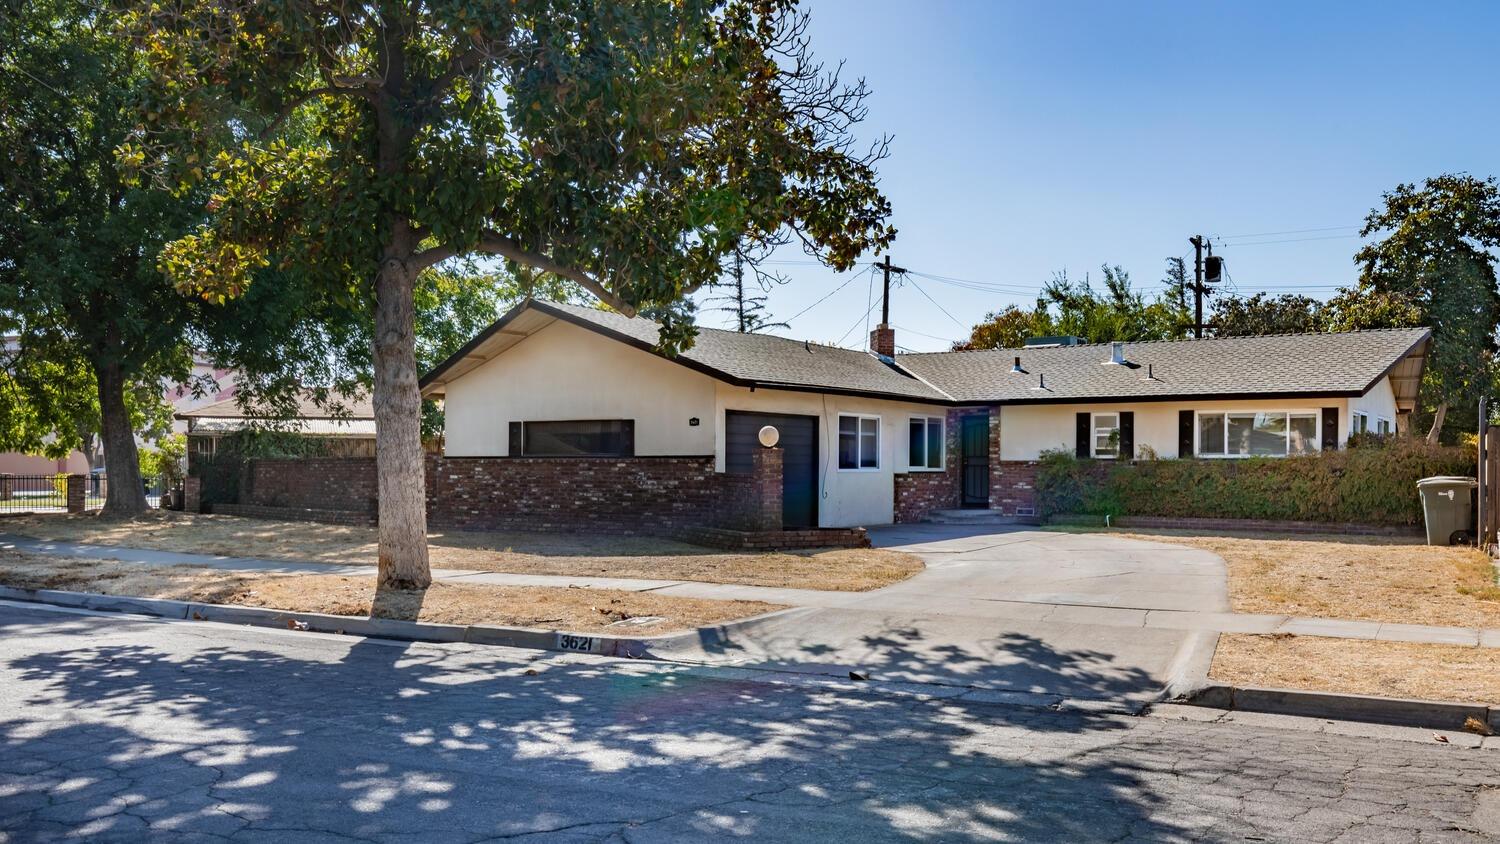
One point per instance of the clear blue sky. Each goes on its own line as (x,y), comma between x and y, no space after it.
(1040,136)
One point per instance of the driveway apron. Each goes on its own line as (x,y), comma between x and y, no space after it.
(1018,610)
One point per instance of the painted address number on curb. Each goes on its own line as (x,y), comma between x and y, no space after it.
(584,644)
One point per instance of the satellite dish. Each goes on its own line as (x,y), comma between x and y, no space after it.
(769,436)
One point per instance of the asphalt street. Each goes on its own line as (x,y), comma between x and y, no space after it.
(113,729)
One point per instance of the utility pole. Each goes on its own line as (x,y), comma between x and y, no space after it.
(1199,242)
(739,291)
(885,300)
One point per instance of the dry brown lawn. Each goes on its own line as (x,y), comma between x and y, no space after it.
(1374,578)
(561,608)
(845,570)
(1386,669)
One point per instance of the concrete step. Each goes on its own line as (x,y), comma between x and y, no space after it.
(977,517)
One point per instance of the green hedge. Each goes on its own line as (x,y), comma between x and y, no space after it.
(1372,483)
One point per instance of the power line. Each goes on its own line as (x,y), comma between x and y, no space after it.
(863,318)
(828,296)
(1289,231)
(939,307)
(1291,240)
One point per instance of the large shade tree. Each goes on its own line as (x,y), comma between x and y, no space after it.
(626,147)
(99,326)
(1434,264)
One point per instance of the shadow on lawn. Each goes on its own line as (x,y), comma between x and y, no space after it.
(368,739)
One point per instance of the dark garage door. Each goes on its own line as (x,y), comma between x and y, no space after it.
(799,459)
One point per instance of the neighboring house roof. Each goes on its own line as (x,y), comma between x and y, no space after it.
(356,419)
(1276,366)
(1290,365)
(760,360)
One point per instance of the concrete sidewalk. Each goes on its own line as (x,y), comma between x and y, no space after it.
(883,601)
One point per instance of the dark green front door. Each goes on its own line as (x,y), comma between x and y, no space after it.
(974,461)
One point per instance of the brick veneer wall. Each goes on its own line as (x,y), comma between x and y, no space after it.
(1013,487)
(674,496)
(919,493)
(312,483)
(615,495)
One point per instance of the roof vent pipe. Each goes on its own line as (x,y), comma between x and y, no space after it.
(1041,381)
(1015,368)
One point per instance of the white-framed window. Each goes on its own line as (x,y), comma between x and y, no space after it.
(1384,425)
(1359,422)
(205,446)
(1105,442)
(859,443)
(925,443)
(1256,433)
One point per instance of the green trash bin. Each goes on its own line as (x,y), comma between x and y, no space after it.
(1447,504)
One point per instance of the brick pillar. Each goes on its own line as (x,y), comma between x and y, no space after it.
(7,487)
(997,472)
(76,490)
(192,495)
(766,470)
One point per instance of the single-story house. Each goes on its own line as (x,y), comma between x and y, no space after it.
(349,429)
(872,437)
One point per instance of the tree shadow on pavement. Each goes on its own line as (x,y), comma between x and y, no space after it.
(309,734)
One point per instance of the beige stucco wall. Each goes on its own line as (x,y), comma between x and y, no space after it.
(846,498)
(1027,430)
(566,372)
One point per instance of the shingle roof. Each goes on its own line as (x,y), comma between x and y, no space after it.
(1275,366)
(766,360)
(356,407)
(1279,365)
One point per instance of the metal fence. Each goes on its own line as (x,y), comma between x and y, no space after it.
(49,493)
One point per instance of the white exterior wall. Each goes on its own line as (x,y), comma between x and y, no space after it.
(565,372)
(1028,430)
(846,498)
(1379,403)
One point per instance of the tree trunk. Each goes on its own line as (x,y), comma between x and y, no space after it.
(398,434)
(1437,422)
(125,495)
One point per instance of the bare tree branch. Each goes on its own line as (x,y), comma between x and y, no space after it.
(497,244)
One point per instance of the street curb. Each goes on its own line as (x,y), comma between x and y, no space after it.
(1400,712)
(384,628)
(562,641)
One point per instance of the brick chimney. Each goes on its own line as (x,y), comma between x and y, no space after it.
(883,340)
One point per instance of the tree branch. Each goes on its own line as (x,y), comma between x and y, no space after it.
(497,244)
(304,99)
(431,255)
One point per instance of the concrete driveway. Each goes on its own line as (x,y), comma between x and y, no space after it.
(1013,610)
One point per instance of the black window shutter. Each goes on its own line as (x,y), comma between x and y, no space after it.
(1082,447)
(515,439)
(1127,434)
(1184,433)
(627,432)
(1330,428)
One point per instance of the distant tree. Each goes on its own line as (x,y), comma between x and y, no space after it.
(1071,307)
(1434,261)
(1007,329)
(1118,312)
(1262,313)
(627,147)
(100,327)
(742,302)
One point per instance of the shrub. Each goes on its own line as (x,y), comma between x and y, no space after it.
(1372,482)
